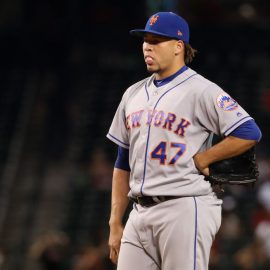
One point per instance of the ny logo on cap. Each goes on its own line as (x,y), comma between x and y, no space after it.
(153,19)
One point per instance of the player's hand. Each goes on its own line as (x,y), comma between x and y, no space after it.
(199,163)
(116,232)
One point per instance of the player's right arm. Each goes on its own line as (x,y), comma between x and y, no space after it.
(119,203)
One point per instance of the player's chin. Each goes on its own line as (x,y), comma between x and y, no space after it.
(151,69)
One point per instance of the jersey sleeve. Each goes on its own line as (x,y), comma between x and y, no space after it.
(118,132)
(218,112)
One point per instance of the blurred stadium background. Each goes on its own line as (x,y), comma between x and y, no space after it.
(64,66)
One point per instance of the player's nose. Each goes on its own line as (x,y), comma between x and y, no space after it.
(147,46)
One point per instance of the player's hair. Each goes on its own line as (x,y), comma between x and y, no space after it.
(189,53)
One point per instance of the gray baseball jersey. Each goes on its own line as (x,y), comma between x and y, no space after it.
(164,127)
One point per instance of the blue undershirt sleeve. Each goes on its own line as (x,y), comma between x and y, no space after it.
(122,160)
(248,130)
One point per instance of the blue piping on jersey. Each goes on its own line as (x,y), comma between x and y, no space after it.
(195,233)
(126,144)
(147,142)
(146,92)
(236,123)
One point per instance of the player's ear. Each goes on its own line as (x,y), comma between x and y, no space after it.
(179,47)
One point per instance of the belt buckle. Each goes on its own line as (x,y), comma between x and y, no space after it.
(137,199)
(158,199)
(134,199)
(140,200)
(151,200)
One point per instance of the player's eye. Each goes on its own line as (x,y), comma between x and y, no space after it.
(153,41)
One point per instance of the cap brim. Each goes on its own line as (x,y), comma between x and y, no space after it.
(142,32)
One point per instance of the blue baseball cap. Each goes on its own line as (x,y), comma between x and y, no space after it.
(167,24)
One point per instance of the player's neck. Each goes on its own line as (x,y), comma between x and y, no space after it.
(166,80)
(167,73)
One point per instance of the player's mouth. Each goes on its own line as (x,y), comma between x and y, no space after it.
(148,60)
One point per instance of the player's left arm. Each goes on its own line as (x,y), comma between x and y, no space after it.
(238,141)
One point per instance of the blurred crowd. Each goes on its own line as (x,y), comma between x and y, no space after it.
(81,244)
(244,238)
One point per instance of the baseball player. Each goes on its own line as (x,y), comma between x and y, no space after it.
(162,127)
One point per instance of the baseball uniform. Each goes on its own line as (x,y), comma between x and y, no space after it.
(164,127)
